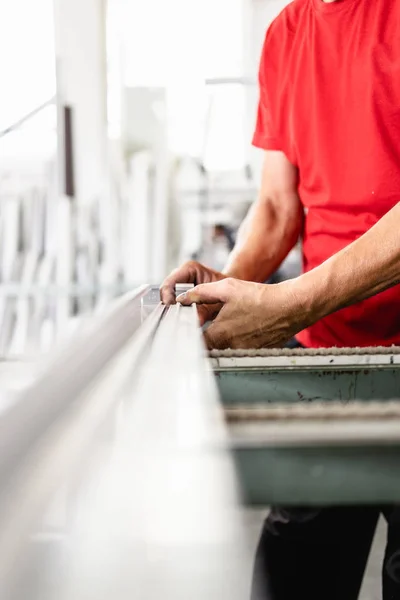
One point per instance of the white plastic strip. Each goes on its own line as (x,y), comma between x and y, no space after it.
(166,519)
(54,445)
(350,361)
(64,378)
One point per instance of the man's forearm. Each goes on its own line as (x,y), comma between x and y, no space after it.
(270,230)
(366,267)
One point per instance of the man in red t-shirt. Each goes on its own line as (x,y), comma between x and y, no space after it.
(329,122)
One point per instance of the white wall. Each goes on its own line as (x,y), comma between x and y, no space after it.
(264,11)
(26,57)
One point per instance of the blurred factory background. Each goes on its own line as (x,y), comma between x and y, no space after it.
(125,130)
(125,149)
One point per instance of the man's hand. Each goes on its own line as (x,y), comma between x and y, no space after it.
(192,272)
(253,315)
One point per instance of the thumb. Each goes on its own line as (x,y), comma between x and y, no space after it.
(206,293)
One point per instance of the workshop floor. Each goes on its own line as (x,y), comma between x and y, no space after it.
(371,589)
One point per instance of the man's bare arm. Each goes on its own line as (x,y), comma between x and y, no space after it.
(267,235)
(256,316)
(366,267)
(273,224)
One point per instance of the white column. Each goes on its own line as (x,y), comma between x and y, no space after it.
(82,85)
(81,54)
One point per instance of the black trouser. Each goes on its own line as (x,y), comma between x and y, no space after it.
(321,554)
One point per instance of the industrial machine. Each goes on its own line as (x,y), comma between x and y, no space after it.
(313,427)
(126,462)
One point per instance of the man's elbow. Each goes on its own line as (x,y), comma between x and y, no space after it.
(283,209)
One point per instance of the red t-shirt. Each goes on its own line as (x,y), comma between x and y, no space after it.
(330,100)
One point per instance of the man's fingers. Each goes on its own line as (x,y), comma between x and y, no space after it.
(187,273)
(206,293)
(167,289)
(167,294)
(190,272)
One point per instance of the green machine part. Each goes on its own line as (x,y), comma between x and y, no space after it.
(314,474)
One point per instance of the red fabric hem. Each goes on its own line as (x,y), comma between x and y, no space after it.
(265,143)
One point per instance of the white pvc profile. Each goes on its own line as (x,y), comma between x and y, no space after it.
(165,522)
(28,424)
(64,377)
(43,450)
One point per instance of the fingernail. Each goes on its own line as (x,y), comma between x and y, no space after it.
(182,297)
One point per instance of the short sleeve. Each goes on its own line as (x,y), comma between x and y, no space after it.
(265,135)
